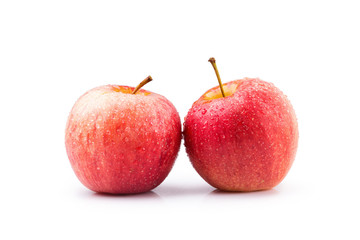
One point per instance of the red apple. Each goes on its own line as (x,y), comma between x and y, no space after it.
(244,139)
(120,140)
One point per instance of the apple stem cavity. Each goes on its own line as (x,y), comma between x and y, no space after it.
(213,63)
(143,82)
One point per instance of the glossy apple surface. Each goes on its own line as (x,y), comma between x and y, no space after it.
(122,143)
(246,141)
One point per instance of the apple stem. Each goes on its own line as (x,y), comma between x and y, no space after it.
(213,63)
(143,82)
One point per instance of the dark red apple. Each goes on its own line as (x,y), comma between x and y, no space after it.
(120,140)
(242,136)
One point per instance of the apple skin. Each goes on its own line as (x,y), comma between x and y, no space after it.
(122,143)
(246,141)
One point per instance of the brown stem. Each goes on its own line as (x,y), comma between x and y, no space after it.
(145,81)
(213,63)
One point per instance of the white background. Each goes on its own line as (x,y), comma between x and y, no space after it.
(51,52)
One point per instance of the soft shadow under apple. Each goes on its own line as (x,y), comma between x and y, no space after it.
(146,195)
(262,193)
(128,197)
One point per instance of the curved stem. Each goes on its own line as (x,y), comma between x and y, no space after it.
(145,81)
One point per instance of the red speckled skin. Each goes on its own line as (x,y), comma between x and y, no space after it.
(121,143)
(244,142)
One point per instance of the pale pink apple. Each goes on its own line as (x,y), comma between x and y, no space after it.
(121,143)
